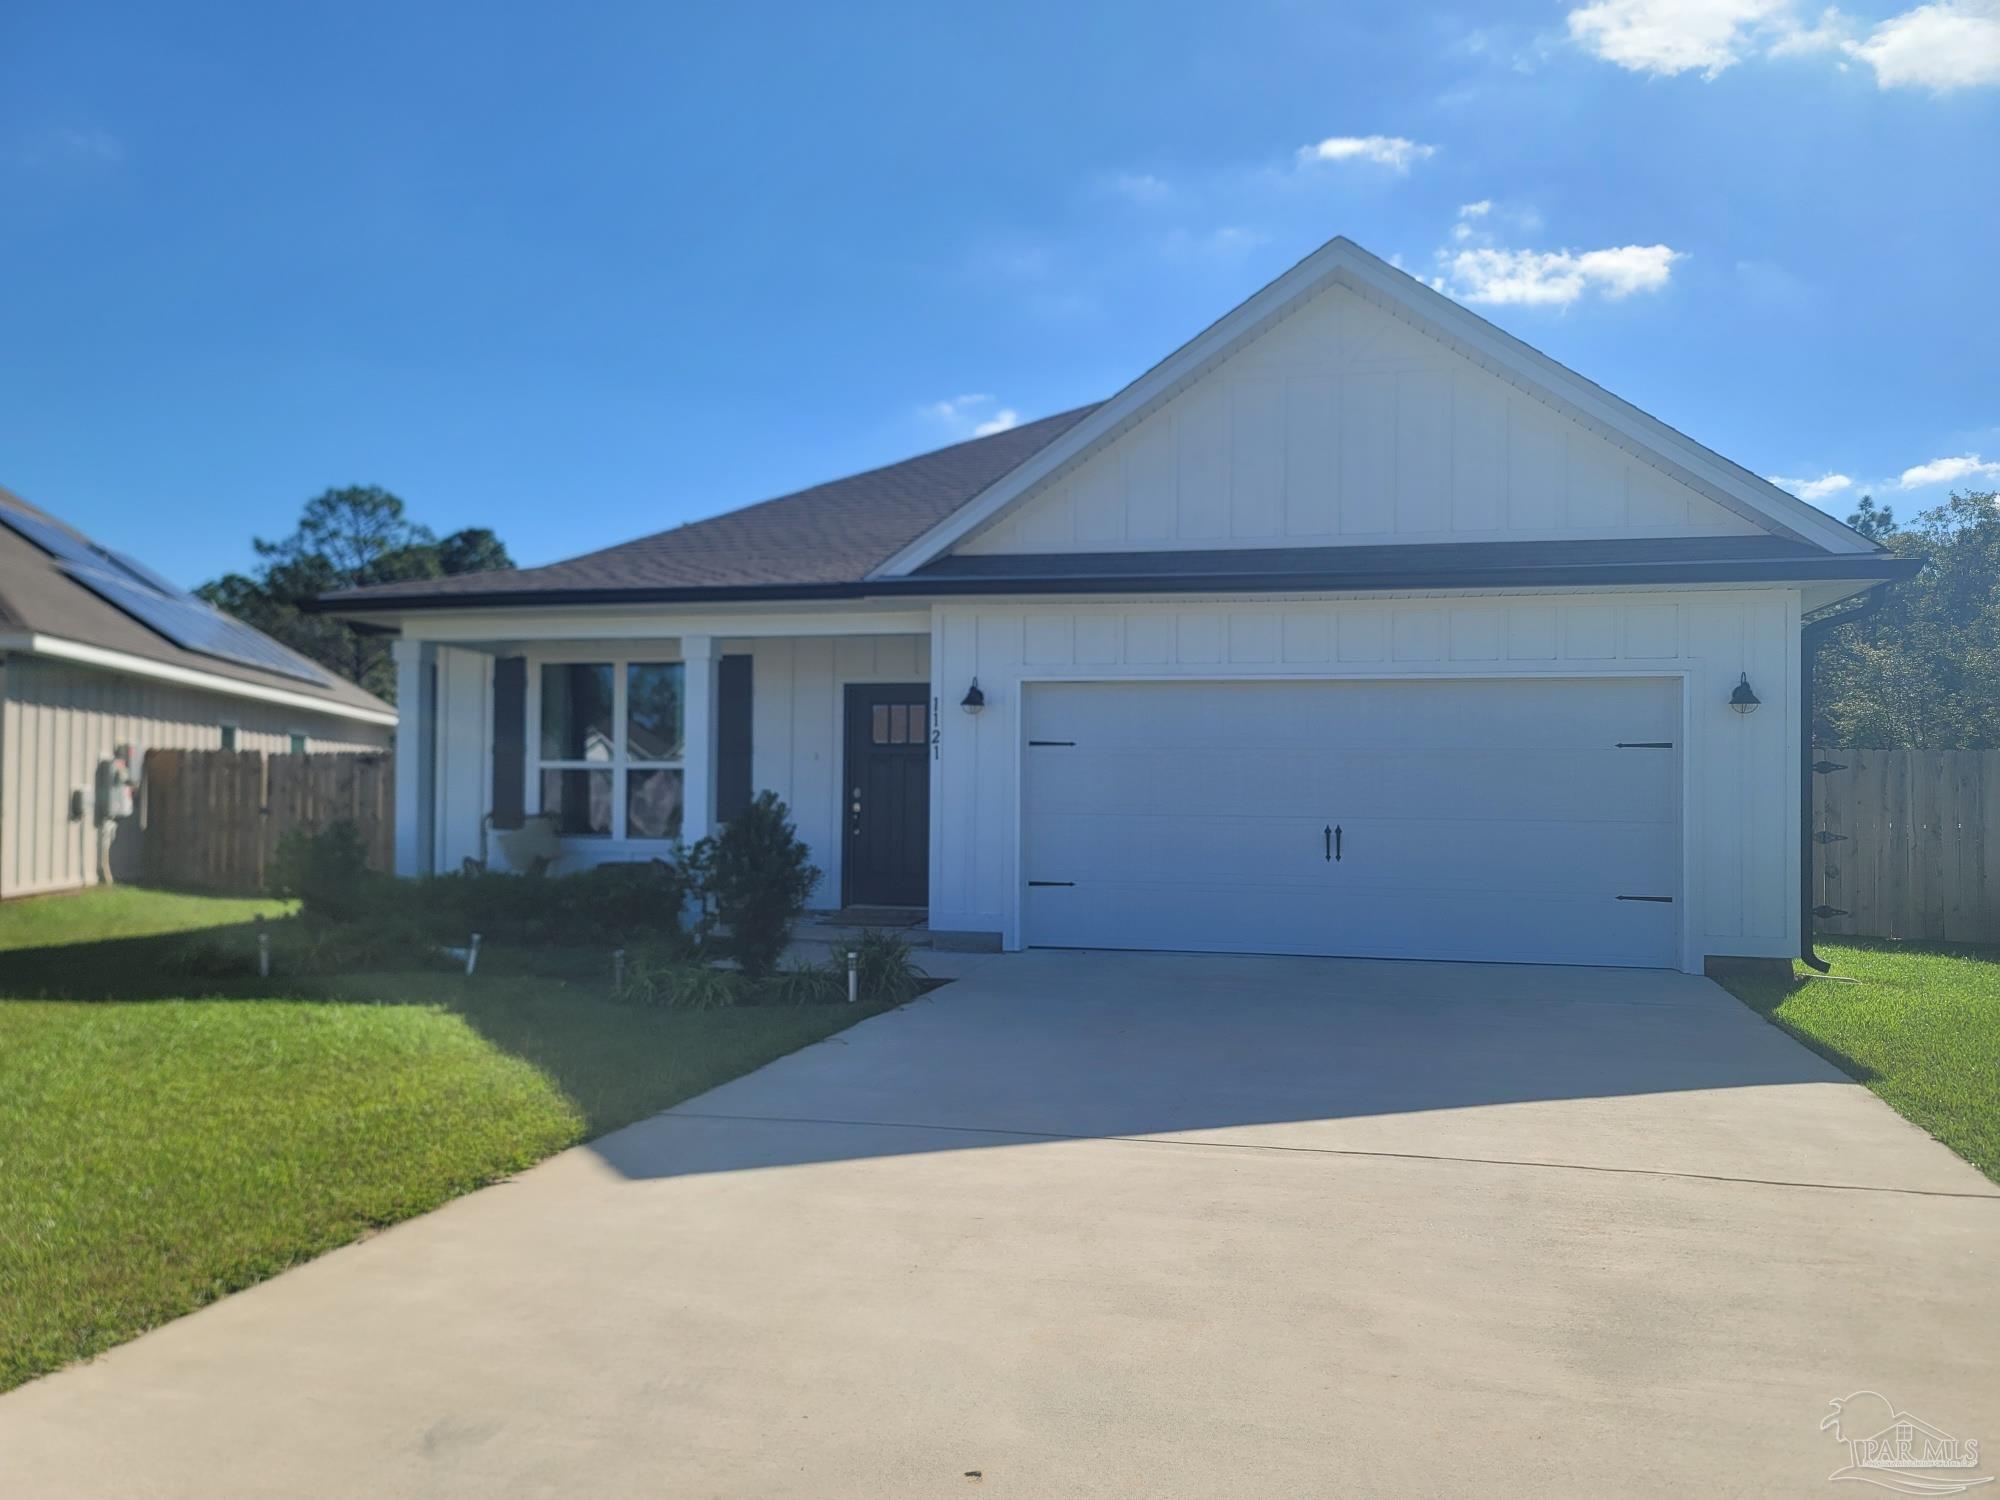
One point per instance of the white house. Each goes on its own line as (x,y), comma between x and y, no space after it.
(97,652)
(1355,626)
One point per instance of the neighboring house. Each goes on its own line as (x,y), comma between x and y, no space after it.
(1355,626)
(97,652)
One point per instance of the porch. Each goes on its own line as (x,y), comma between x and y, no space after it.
(627,734)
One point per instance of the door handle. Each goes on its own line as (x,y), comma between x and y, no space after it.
(1329,843)
(1336,841)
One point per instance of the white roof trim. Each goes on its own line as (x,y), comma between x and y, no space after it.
(1342,261)
(55,647)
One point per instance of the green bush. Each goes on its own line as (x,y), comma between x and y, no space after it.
(759,877)
(885,972)
(609,906)
(807,984)
(327,873)
(663,977)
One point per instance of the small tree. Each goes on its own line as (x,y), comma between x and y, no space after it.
(760,878)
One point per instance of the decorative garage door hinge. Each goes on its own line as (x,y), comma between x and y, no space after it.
(1051,742)
(1052,882)
(1823,912)
(1645,744)
(1666,899)
(1827,767)
(1824,836)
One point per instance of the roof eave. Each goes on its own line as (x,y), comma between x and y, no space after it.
(1877,568)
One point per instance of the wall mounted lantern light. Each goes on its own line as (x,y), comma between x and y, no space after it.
(974,700)
(1743,700)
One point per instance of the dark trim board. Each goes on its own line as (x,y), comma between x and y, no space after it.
(1431,565)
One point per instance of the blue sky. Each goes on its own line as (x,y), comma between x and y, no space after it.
(581,273)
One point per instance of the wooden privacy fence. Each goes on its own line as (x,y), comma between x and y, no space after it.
(213,818)
(1906,844)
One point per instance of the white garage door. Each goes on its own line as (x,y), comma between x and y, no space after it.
(1516,821)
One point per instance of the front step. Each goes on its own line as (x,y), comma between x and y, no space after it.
(838,929)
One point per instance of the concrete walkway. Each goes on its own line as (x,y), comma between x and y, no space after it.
(1125,1225)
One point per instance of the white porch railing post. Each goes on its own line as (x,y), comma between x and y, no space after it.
(698,758)
(415,742)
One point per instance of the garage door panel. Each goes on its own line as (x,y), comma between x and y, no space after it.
(1491,820)
(1572,785)
(1409,855)
(1512,713)
(1514,928)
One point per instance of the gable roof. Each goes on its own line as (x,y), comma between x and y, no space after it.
(1342,262)
(885,531)
(834,533)
(45,611)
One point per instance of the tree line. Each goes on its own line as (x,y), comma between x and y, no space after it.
(346,538)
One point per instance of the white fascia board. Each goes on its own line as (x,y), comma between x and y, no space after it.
(1341,260)
(641,622)
(58,649)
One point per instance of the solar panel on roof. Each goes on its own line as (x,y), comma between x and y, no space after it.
(50,537)
(146,575)
(191,624)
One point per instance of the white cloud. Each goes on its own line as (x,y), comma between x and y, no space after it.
(956,408)
(1384,150)
(1139,187)
(1553,278)
(1948,471)
(1946,45)
(1227,242)
(1937,47)
(1814,489)
(968,413)
(1672,36)
(1477,210)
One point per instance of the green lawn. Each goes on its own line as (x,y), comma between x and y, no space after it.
(166,1140)
(1920,1026)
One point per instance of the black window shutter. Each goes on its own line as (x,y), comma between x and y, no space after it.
(732,737)
(510,757)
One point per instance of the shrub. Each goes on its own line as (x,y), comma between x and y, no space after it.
(661,977)
(327,873)
(808,984)
(610,905)
(760,877)
(885,972)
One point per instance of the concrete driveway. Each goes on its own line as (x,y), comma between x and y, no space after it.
(1121,1225)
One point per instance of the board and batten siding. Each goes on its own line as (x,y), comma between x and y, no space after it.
(58,724)
(1346,425)
(1740,829)
(797,695)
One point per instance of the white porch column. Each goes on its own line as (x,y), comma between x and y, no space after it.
(416,755)
(698,758)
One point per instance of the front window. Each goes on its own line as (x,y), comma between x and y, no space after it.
(610,748)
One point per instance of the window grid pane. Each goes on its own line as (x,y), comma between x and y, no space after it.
(655,711)
(580,800)
(653,804)
(576,711)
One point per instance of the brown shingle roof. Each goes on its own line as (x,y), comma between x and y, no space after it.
(831,533)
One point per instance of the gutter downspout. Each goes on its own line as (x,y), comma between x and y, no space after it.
(1811,634)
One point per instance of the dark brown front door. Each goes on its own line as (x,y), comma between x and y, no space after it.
(885,855)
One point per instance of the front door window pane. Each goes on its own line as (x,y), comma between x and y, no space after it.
(654,715)
(580,800)
(576,711)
